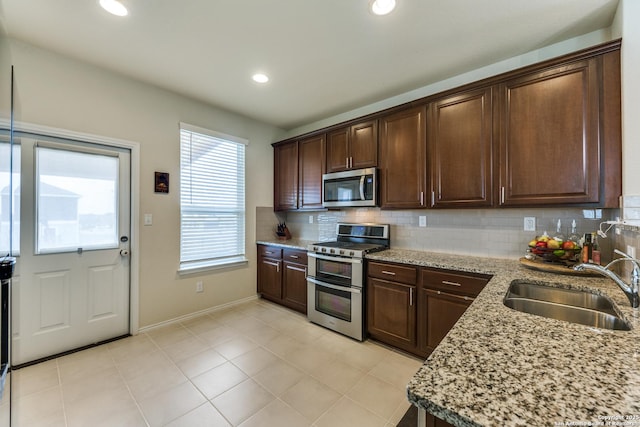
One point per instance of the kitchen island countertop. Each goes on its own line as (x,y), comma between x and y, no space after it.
(500,367)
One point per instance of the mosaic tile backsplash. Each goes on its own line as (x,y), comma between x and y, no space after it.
(494,233)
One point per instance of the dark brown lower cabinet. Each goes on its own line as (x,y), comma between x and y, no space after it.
(282,276)
(444,297)
(269,275)
(413,308)
(433,421)
(438,313)
(294,286)
(391,313)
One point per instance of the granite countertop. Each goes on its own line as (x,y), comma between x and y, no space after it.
(300,244)
(499,367)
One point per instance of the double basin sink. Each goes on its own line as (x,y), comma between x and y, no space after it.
(571,305)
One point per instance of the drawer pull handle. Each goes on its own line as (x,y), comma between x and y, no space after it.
(390,273)
(446,282)
(268,252)
(411,297)
(275,264)
(462,297)
(302,270)
(294,256)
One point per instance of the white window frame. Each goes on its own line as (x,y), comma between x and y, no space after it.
(189,264)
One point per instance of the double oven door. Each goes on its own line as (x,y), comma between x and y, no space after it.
(334,293)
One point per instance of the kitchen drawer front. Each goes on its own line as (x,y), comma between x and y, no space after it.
(454,282)
(270,251)
(295,255)
(393,272)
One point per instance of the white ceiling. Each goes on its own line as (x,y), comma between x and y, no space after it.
(324,57)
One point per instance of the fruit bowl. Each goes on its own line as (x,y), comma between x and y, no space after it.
(554,250)
(560,256)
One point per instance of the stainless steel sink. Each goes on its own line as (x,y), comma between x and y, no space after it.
(575,306)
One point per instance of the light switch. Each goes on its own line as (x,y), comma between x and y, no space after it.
(148,219)
(422,221)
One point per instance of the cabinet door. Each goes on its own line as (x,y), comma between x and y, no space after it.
(338,150)
(438,313)
(285,176)
(403,159)
(269,278)
(312,166)
(391,313)
(364,145)
(294,286)
(549,142)
(433,421)
(460,148)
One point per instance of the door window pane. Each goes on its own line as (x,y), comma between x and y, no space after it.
(9,200)
(76,200)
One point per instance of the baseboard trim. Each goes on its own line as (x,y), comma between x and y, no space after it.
(196,314)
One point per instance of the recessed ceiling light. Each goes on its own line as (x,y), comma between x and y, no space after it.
(260,78)
(382,7)
(114,7)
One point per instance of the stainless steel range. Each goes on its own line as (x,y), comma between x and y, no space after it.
(335,278)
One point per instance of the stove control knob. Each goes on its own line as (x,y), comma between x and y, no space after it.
(332,251)
(351,253)
(341,252)
(324,249)
(314,249)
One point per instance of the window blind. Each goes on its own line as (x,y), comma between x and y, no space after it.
(212,199)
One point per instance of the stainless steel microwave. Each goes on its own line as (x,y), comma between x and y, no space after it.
(354,188)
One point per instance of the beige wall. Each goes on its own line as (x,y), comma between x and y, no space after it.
(555,50)
(55,91)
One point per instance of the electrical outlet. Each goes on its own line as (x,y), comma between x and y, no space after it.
(631,251)
(310,219)
(529,223)
(199,286)
(422,221)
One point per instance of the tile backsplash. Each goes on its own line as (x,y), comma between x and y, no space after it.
(494,233)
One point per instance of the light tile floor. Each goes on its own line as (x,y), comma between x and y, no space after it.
(255,364)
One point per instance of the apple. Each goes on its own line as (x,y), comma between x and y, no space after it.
(568,245)
(541,244)
(554,244)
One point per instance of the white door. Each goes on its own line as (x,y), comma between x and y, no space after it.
(73,287)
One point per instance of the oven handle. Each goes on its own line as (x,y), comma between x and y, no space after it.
(335,258)
(338,288)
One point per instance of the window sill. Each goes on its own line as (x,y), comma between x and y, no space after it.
(212,267)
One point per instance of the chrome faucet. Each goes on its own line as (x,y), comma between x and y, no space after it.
(631,290)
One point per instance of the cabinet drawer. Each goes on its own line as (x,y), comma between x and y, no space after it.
(270,251)
(393,272)
(455,282)
(295,255)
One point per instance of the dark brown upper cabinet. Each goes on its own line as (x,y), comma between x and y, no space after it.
(311,160)
(403,159)
(460,141)
(285,182)
(549,136)
(298,169)
(353,147)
